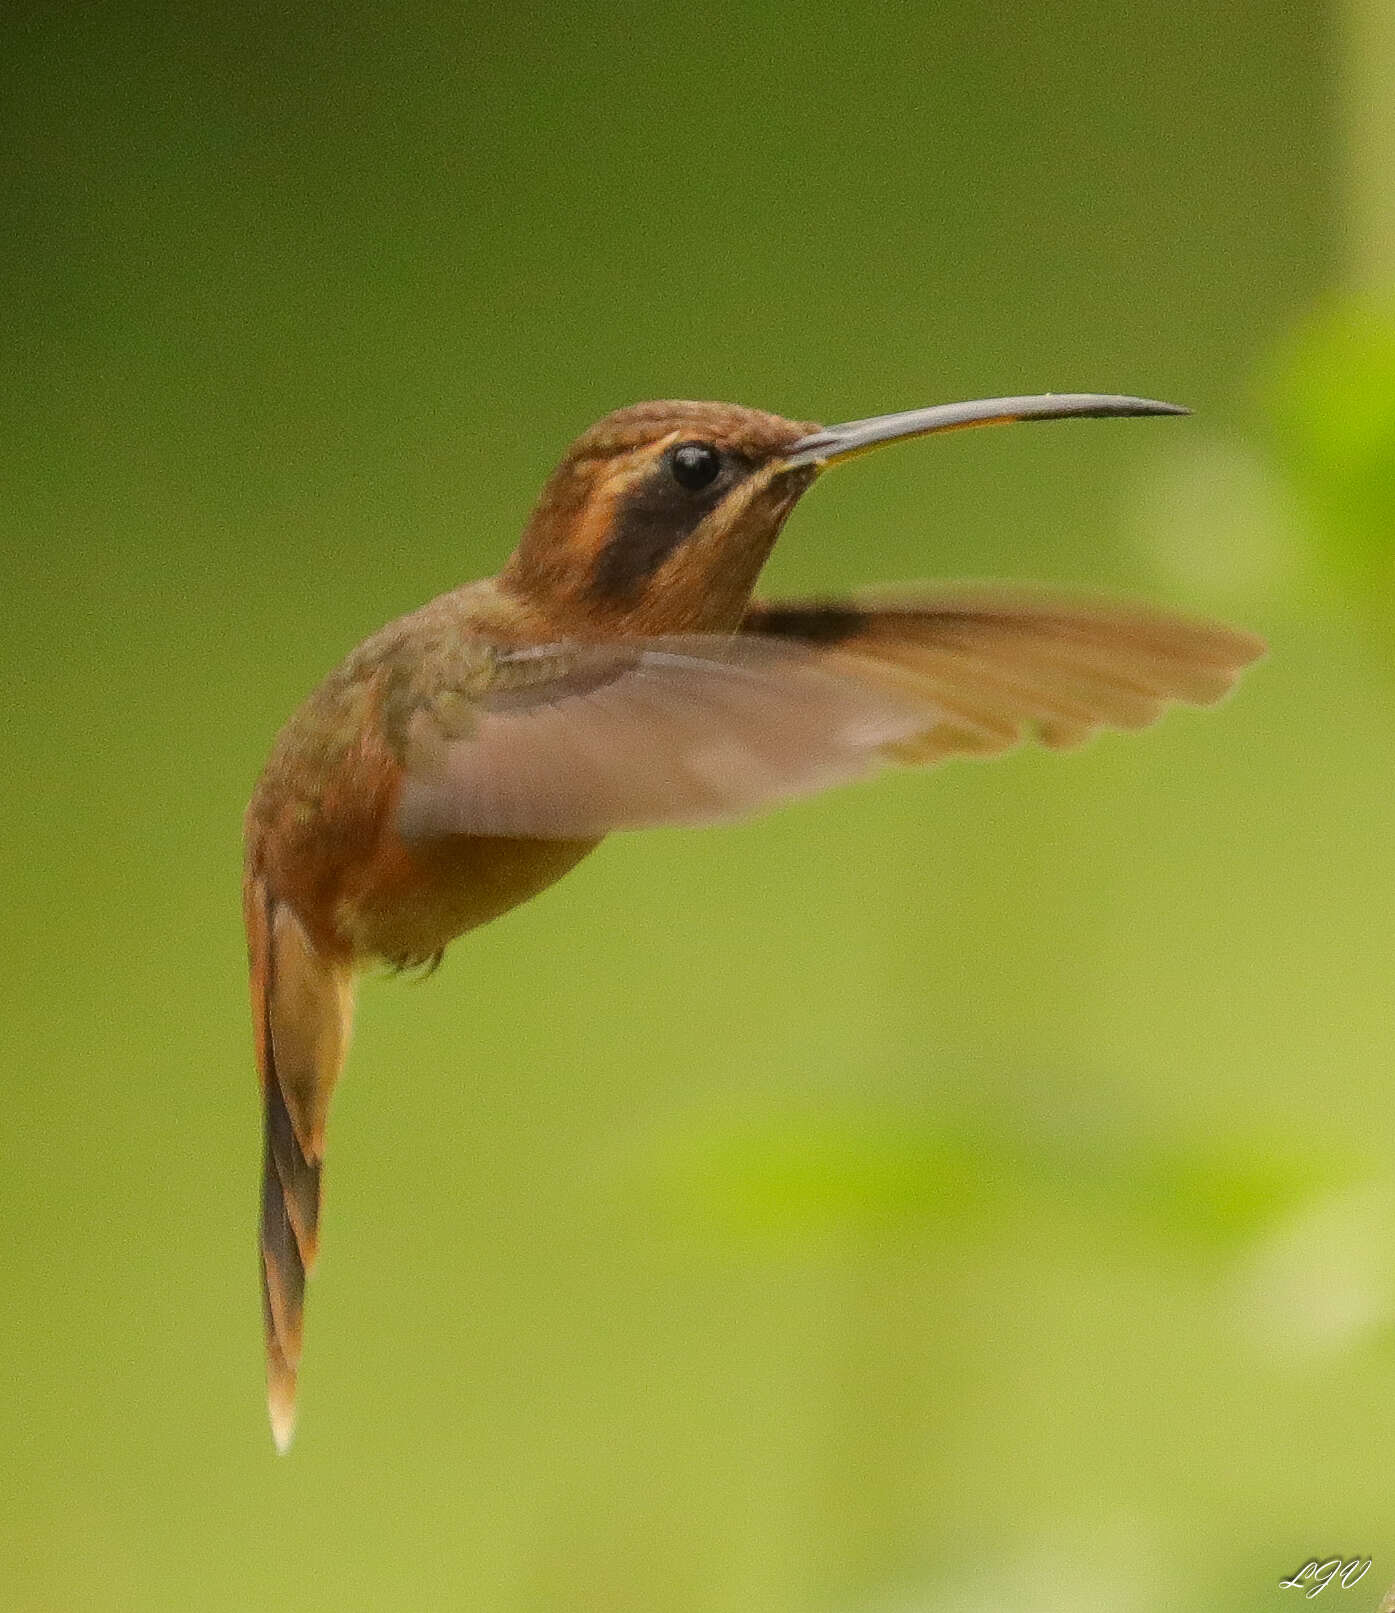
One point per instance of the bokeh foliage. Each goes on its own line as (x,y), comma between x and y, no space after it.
(1332,401)
(964,1193)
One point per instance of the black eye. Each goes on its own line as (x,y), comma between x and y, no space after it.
(695,465)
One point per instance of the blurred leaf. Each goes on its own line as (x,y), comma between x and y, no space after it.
(1332,399)
(1222,1194)
(803,1172)
(870,1169)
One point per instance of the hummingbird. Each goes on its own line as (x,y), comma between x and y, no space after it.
(618,674)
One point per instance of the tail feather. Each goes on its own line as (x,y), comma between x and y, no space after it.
(302,1005)
(293,1179)
(283,1292)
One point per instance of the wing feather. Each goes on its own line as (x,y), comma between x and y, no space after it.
(577,740)
(1005,662)
(682,730)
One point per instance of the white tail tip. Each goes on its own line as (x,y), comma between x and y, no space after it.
(281,1411)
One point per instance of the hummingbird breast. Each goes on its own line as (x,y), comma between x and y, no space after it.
(322,835)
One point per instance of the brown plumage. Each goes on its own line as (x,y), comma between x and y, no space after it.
(616,675)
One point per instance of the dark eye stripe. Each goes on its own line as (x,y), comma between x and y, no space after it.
(653,518)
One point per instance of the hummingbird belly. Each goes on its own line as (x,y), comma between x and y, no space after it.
(416,897)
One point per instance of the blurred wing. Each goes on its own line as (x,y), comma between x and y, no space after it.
(997,663)
(576,740)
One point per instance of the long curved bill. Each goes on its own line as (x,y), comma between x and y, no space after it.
(833,444)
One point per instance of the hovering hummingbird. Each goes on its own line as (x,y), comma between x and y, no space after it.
(618,675)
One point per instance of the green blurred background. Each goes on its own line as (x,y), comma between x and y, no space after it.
(968,1193)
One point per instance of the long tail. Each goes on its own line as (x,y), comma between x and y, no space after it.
(302,1009)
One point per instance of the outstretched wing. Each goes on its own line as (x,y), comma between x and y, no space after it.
(576,740)
(1000,663)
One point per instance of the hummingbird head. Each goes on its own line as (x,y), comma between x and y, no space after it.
(660,517)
